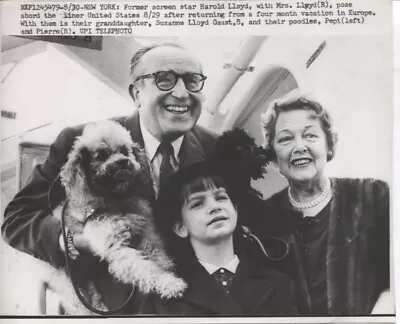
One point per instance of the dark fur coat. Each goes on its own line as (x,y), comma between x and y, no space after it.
(357,259)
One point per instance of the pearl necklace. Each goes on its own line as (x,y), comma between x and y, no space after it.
(313,203)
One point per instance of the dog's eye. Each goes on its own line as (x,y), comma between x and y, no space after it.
(101,155)
(124,151)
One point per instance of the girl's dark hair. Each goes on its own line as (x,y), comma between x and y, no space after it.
(168,210)
(194,185)
(235,161)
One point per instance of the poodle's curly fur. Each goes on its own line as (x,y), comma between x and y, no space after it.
(108,184)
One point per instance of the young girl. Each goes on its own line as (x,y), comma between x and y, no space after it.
(198,219)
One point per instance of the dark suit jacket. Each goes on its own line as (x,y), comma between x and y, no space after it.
(255,290)
(28,225)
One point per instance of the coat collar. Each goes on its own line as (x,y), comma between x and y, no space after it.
(252,286)
(204,292)
(348,219)
(249,290)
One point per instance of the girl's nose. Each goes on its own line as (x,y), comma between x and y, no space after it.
(214,206)
(215,209)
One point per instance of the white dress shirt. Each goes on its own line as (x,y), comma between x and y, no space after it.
(231,265)
(151,145)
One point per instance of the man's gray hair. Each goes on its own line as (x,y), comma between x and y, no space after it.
(136,58)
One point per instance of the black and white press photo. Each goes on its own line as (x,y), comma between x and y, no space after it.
(223,176)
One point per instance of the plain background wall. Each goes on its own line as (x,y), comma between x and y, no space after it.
(352,79)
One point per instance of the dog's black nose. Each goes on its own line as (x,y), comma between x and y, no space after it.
(124,164)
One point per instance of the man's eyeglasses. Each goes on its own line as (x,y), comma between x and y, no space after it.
(167,80)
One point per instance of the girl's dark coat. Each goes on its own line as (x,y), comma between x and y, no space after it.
(255,291)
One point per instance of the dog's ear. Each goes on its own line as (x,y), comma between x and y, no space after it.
(72,173)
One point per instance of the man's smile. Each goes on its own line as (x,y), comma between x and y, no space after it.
(177,109)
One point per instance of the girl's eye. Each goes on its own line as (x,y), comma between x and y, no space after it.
(196,204)
(222,197)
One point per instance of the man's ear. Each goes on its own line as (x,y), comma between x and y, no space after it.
(180,230)
(134,93)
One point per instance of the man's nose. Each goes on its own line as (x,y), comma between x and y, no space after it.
(179,91)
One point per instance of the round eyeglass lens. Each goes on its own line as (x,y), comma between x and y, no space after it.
(166,80)
(193,82)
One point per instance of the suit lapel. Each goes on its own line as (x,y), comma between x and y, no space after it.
(131,123)
(251,287)
(205,293)
(191,150)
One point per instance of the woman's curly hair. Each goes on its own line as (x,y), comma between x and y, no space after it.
(296,100)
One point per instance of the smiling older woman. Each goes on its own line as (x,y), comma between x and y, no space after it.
(338,229)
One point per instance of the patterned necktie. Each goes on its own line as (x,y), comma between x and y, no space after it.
(166,168)
(224,277)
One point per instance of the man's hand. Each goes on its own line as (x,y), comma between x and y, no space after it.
(76,242)
(80,242)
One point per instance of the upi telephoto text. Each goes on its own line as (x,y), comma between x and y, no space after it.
(103,19)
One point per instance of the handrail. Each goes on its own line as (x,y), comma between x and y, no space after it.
(234,70)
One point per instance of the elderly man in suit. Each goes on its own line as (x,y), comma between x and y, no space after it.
(166,88)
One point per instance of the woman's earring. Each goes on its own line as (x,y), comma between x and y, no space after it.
(330,155)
